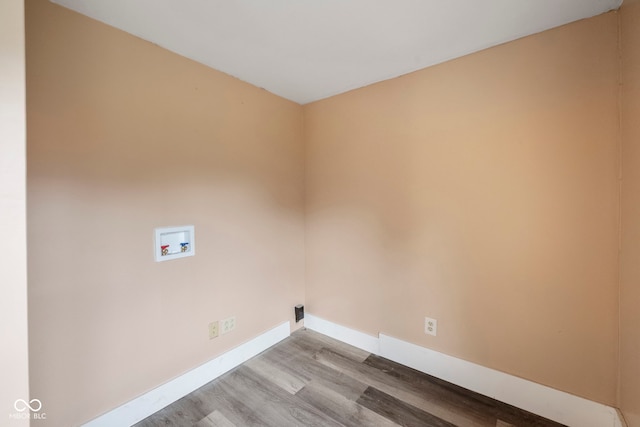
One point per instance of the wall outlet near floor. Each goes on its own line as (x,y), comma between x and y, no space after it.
(227,325)
(213,330)
(430,326)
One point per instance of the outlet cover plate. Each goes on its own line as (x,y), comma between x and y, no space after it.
(213,330)
(227,325)
(430,326)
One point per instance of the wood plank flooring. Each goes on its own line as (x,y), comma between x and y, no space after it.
(312,380)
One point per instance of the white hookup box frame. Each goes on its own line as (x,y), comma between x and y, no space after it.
(174,242)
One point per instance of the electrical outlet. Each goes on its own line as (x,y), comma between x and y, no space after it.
(430,326)
(227,325)
(213,330)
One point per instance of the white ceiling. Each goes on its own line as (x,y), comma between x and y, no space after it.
(305,50)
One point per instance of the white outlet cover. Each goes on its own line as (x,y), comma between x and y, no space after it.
(430,326)
(227,325)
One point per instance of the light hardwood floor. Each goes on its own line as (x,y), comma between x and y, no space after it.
(312,380)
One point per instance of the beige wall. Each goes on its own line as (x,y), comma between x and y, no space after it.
(124,137)
(482,192)
(14,383)
(630,258)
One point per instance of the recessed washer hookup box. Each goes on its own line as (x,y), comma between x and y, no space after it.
(174,242)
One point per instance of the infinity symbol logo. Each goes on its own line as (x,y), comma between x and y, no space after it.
(22,405)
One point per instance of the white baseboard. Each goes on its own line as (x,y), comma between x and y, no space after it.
(355,338)
(141,407)
(550,403)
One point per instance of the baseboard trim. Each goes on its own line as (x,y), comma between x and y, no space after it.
(350,336)
(149,403)
(550,403)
